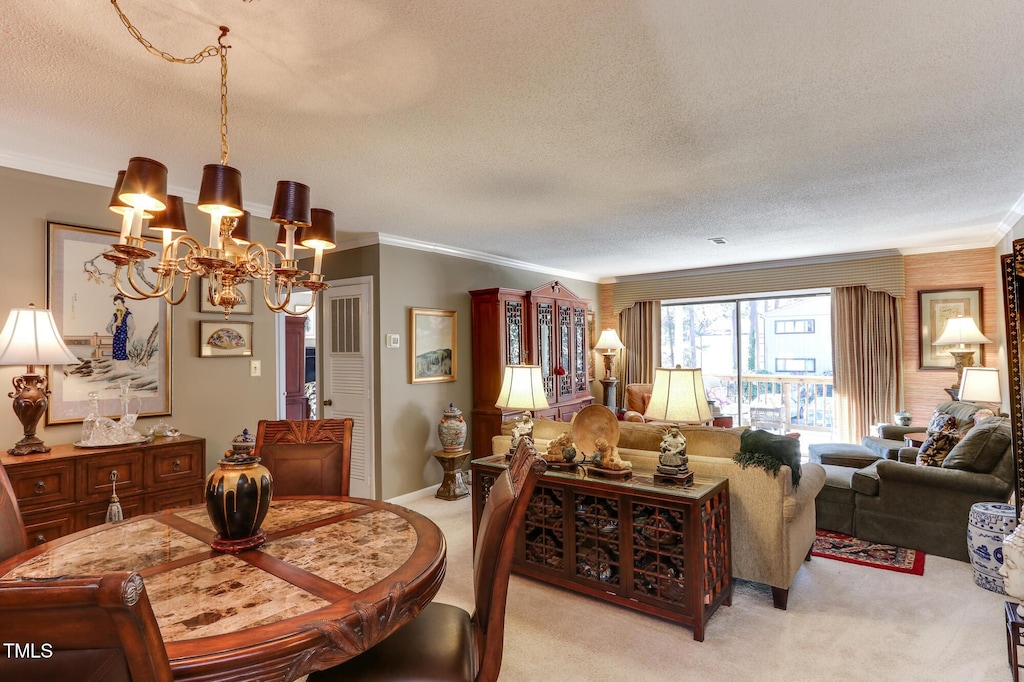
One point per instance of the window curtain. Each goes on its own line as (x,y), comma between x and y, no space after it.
(640,331)
(867,347)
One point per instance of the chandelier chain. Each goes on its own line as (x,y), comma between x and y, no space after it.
(220,49)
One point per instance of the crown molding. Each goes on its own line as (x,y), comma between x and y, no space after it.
(392,240)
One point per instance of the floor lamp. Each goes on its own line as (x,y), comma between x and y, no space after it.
(610,344)
(30,338)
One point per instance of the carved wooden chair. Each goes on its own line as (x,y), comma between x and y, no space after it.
(12,527)
(307,457)
(444,642)
(82,628)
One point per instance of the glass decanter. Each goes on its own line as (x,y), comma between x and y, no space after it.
(89,423)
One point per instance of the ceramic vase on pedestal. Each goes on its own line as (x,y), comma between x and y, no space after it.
(238,494)
(987,524)
(452,429)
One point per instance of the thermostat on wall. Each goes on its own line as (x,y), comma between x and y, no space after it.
(391,340)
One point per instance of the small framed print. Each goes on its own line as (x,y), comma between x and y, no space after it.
(432,347)
(218,339)
(244,306)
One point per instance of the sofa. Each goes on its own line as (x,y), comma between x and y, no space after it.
(772,523)
(889,441)
(921,507)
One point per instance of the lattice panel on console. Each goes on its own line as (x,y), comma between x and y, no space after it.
(715,528)
(544,528)
(659,536)
(597,538)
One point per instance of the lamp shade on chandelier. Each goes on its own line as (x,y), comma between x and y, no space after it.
(229,257)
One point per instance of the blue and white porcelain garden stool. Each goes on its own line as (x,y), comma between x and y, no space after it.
(988,523)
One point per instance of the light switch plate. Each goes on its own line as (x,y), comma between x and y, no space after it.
(254,368)
(391,340)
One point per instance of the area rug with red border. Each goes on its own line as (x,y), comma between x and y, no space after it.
(841,547)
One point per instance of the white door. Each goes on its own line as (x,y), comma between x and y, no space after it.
(346,353)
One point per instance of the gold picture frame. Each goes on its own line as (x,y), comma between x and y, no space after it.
(935,308)
(89,312)
(433,345)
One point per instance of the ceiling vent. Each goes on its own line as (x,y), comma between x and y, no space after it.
(718,240)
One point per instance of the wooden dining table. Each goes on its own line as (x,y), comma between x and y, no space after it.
(335,576)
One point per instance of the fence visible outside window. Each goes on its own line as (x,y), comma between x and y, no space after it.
(769,358)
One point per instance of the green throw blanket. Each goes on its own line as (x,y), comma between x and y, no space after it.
(769,451)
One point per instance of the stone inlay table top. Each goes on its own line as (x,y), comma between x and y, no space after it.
(335,576)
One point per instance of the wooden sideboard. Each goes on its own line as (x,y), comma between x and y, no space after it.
(656,548)
(546,326)
(68,489)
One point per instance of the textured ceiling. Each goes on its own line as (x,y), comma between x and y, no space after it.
(604,138)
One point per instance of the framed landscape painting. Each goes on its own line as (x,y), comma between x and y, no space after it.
(936,308)
(432,349)
(113,336)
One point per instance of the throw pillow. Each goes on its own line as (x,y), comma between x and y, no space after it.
(941,421)
(769,451)
(936,448)
(982,448)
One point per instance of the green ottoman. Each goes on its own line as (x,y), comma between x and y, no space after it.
(841,454)
(834,505)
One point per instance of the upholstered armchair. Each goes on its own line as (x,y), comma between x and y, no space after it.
(889,441)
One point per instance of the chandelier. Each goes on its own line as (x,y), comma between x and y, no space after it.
(228,258)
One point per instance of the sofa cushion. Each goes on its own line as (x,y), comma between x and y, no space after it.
(769,451)
(963,411)
(982,448)
(941,421)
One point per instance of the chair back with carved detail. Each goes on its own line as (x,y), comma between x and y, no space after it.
(81,628)
(306,457)
(12,527)
(503,516)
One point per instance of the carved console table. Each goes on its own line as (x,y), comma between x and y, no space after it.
(660,549)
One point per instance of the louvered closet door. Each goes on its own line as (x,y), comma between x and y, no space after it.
(348,374)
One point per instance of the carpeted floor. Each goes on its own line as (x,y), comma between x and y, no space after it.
(845,622)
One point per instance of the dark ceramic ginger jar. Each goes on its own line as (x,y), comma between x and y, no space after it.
(238,494)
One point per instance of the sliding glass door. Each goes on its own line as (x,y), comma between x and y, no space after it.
(767,362)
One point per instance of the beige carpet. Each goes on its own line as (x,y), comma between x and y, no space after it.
(844,622)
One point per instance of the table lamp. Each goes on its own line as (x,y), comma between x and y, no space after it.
(981,385)
(610,344)
(677,396)
(522,388)
(30,338)
(961,330)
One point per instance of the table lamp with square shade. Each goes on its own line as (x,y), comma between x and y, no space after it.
(961,331)
(677,396)
(30,338)
(522,388)
(981,385)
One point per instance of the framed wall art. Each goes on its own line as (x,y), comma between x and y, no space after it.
(935,308)
(224,338)
(114,336)
(243,308)
(433,352)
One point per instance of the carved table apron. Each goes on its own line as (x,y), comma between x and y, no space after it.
(336,576)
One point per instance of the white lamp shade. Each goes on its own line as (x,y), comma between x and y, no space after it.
(522,388)
(678,396)
(980,385)
(960,330)
(609,340)
(30,337)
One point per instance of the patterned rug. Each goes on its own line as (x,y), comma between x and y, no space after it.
(845,548)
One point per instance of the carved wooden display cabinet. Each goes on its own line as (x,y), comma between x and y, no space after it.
(68,489)
(659,549)
(546,326)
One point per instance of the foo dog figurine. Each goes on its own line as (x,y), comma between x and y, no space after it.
(609,455)
(560,449)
